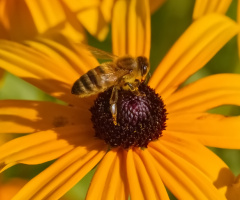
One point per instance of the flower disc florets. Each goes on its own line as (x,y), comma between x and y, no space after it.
(140,119)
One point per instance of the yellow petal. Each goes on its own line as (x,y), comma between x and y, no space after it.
(64,173)
(123,188)
(149,191)
(210,129)
(206,93)
(68,55)
(51,73)
(182,178)
(70,27)
(159,188)
(45,145)
(203,7)
(10,188)
(18,116)
(76,33)
(108,177)
(4,20)
(136,192)
(21,20)
(43,15)
(16,20)
(131,28)
(90,15)
(106,7)
(155,4)
(215,169)
(198,44)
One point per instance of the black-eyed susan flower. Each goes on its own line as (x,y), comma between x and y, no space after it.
(175,157)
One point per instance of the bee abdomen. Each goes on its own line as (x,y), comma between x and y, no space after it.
(89,83)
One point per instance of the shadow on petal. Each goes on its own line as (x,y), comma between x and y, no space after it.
(225,179)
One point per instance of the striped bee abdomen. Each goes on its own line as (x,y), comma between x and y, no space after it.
(89,83)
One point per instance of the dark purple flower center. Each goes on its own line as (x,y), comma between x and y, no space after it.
(140,119)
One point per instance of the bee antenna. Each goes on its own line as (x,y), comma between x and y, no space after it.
(149,75)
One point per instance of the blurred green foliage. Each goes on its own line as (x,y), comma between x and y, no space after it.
(168,23)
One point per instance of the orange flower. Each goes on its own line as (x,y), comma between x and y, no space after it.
(178,159)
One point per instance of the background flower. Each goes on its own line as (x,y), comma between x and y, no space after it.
(202,8)
(205,7)
(26,19)
(159,38)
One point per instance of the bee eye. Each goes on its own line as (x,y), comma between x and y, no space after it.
(144,70)
(143,65)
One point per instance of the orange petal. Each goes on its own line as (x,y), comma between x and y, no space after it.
(68,55)
(10,188)
(186,148)
(144,179)
(50,22)
(2,77)
(16,20)
(64,173)
(131,28)
(106,7)
(20,116)
(206,93)
(90,15)
(123,188)
(21,20)
(203,7)
(4,19)
(192,51)
(159,189)
(76,33)
(182,178)
(44,146)
(43,15)
(209,129)
(46,69)
(136,192)
(143,183)
(155,4)
(108,177)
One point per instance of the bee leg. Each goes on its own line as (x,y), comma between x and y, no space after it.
(113,104)
(134,89)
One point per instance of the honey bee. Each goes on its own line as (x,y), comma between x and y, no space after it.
(124,72)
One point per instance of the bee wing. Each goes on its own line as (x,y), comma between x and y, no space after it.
(111,74)
(99,54)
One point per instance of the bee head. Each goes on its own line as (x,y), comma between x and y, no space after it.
(143,65)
